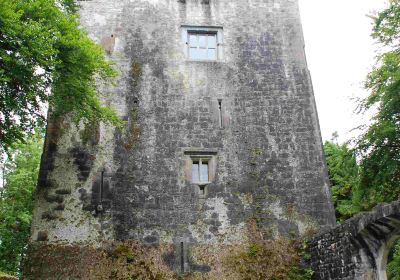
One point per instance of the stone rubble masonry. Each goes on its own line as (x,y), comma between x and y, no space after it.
(266,159)
(358,249)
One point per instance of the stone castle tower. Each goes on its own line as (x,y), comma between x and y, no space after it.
(221,128)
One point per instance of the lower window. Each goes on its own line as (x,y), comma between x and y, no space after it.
(200,170)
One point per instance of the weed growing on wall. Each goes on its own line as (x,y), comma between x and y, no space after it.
(278,259)
(116,260)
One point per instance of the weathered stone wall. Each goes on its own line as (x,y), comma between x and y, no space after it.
(358,249)
(98,183)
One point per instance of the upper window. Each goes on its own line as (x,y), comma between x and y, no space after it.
(202,43)
(202,46)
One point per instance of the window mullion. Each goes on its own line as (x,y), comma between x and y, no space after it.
(200,164)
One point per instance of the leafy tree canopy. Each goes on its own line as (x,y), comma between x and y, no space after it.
(379,146)
(46,58)
(343,173)
(16,201)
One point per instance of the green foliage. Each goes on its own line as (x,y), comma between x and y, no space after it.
(387,25)
(344,178)
(393,267)
(379,146)
(45,57)
(16,202)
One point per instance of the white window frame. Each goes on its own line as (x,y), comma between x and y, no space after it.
(213,30)
(201,160)
(206,48)
(200,155)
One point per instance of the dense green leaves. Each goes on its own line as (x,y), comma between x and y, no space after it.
(344,177)
(393,267)
(379,146)
(16,202)
(46,57)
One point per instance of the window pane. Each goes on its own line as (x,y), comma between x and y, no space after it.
(203,41)
(212,41)
(202,54)
(204,172)
(193,40)
(203,46)
(195,172)
(212,54)
(194,53)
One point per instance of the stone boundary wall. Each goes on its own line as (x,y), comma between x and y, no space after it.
(359,248)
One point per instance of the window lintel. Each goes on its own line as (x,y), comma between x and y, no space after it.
(200,153)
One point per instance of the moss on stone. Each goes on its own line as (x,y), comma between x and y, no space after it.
(133,130)
(136,72)
(90,134)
